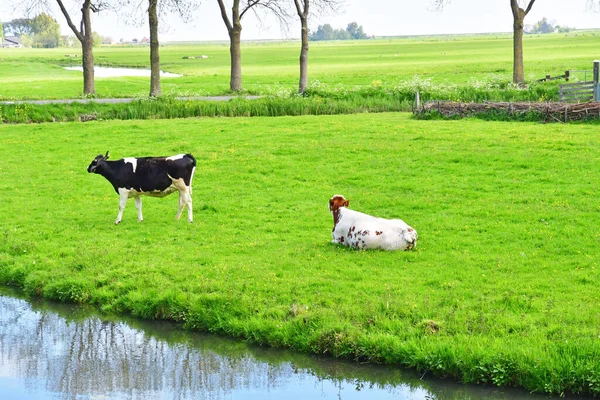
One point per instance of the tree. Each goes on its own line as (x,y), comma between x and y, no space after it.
(83,33)
(1,33)
(156,9)
(302,8)
(239,8)
(45,31)
(41,31)
(519,15)
(19,27)
(155,89)
(543,26)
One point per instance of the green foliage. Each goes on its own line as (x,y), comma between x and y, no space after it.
(41,31)
(543,26)
(45,31)
(19,27)
(326,32)
(500,289)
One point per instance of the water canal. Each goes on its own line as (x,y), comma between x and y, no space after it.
(57,351)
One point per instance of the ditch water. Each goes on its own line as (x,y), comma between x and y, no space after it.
(57,351)
(106,72)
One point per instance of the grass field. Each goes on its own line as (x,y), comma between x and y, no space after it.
(476,61)
(501,288)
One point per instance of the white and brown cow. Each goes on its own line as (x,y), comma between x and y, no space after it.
(362,231)
(149,176)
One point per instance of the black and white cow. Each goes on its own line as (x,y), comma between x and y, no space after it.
(150,176)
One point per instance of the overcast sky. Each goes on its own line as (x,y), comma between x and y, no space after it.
(378,17)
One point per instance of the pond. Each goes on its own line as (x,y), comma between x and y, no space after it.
(57,351)
(107,72)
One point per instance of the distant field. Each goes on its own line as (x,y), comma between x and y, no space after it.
(269,67)
(502,287)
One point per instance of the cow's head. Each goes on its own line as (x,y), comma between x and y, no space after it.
(97,161)
(338,201)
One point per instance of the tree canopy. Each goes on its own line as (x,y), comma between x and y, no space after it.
(326,32)
(41,31)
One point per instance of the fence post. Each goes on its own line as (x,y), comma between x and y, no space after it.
(596,75)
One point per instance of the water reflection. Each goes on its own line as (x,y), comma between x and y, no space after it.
(112,72)
(49,350)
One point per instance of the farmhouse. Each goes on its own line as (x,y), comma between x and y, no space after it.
(11,41)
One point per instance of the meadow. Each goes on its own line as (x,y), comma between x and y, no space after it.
(501,288)
(454,67)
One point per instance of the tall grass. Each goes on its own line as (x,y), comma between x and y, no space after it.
(319,99)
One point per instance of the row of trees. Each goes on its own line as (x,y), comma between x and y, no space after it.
(231,13)
(41,31)
(326,32)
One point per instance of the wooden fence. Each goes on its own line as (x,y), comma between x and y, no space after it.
(576,92)
(581,91)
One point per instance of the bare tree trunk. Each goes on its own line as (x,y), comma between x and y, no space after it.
(84,35)
(88,66)
(154,56)
(518,22)
(234,28)
(304,55)
(518,71)
(235,36)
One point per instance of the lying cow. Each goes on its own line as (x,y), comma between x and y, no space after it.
(362,231)
(150,176)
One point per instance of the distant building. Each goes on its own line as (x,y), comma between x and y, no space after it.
(12,41)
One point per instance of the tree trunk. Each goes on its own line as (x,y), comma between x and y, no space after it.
(88,66)
(518,72)
(304,56)
(87,52)
(518,21)
(235,36)
(154,57)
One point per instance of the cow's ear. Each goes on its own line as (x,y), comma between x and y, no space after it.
(107,155)
(347,203)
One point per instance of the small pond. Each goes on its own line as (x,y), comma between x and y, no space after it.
(107,72)
(57,351)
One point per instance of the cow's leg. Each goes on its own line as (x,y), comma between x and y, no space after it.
(138,206)
(185,200)
(188,203)
(124,195)
(181,205)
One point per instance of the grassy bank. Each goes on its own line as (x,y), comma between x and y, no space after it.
(317,101)
(501,288)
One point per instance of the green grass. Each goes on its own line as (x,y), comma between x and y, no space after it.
(465,61)
(501,289)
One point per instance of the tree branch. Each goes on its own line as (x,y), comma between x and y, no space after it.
(224,16)
(529,7)
(250,4)
(77,33)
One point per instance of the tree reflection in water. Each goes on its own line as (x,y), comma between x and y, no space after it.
(73,352)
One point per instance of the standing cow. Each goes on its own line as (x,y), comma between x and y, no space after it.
(149,176)
(363,231)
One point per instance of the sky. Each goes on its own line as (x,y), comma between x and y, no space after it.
(378,17)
